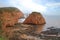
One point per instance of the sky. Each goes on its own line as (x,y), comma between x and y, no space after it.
(46,7)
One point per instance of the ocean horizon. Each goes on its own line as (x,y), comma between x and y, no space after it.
(52,20)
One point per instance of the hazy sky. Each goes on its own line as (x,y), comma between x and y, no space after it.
(47,7)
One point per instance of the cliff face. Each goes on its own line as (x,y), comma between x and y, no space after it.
(9,16)
(35,18)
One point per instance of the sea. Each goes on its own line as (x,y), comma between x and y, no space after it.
(51,21)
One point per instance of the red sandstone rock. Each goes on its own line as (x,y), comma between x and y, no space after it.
(9,16)
(35,18)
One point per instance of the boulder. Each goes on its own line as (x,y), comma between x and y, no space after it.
(35,18)
(9,16)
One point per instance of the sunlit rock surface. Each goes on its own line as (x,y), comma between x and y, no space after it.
(9,16)
(35,18)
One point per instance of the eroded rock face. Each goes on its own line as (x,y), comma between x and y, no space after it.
(35,18)
(9,16)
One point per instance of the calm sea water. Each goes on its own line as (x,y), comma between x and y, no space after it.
(52,21)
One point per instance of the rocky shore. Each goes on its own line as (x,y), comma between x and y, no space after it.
(28,30)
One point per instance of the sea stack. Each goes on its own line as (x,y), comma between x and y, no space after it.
(35,18)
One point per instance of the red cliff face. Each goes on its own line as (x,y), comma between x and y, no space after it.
(35,18)
(9,16)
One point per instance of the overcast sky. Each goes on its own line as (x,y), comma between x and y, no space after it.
(47,7)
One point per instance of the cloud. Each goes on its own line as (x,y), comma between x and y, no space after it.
(32,6)
(53,4)
(6,3)
(26,5)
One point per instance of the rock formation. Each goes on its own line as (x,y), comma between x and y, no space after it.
(28,30)
(35,18)
(9,16)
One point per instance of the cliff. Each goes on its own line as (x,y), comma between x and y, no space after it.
(9,16)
